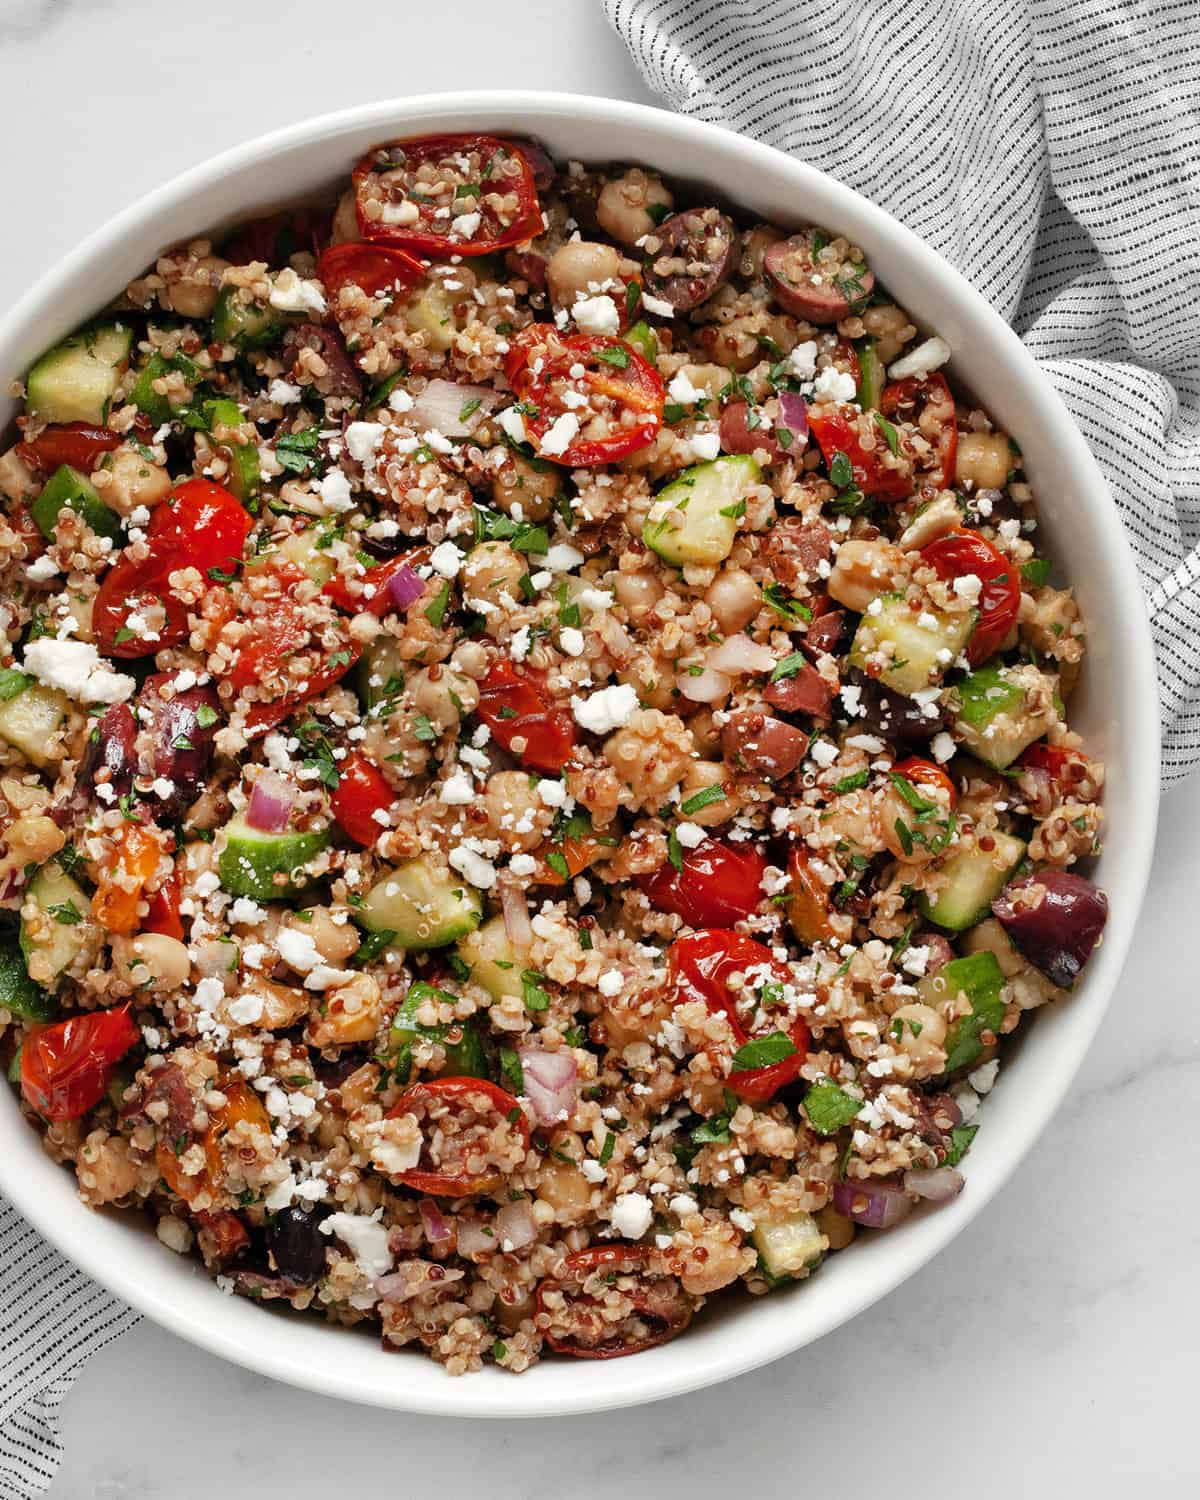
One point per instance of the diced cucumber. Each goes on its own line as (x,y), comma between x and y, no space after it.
(245,476)
(641,337)
(495,963)
(18,993)
(32,718)
(980,979)
(67,487)
(465,1057)
(423,907)
(252,858)
(304,550)
(75,381)
(695,518)
(789,1246)
(974,877)
(50,947)
(432,312)
(924,644)
(249,325)
(143,395)
(993,720)
(381,672)
(871,375)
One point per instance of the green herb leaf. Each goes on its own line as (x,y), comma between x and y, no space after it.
(1037,571)
(206,716)
(372,946)
(532,993)
(891,436)
(841,471)
(606,1151)
(704,798)
(12,682)
(66,912)
(763,1051)
(712,1132)
(783,604)
(830,1108)
(557,861)
(852,783)
(790,666)
(961,1137)
(674,851)
(511,1070)
(616,355)
(297,451)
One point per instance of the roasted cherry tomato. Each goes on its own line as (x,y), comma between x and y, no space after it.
(927,776)
(515,707)
(928,405)
(228,1234)
(272,638)
(700,966)
(164,916)
(808,907)
(374,268)
(1056,760)
(201,526)
(266,715)
(836,431)
(444,195)
(581,1323)
(76,443)
(241,1103)
(615,386)
(65,1068)
(477,1107)
(115,904)
(362,791)
(371,591)
(961,553)
(717,886)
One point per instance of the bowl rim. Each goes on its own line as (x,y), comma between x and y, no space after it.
(644,1379)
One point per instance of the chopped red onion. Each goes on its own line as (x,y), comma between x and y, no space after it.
(793,414)
(271,802)
(515,1227)
(708,686)
(475,1237)
(551,1084)
(405,587)
(938,1184)
(452,409)
(516,915)
(875,1205)
(435,1226)
(739,655)
(412,1278)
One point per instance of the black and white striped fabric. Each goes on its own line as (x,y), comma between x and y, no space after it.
(1050,149)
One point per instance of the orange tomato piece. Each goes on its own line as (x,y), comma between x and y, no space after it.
(115,906)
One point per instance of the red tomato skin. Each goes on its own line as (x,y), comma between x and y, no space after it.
(527,224)
(927,776)
(362,790)
(372,595)
(451,1185)
(513,706)
(929,388)
(65,1068)
(620,1259)
(961,552)
(371,267)
(79,444)
(718,885)
(265,716)
(835,434)
(163,916)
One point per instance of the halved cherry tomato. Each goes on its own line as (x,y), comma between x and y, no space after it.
(701,964)
(515,707)
(717,886)
(374,268)
(808,907)
(505,209)
(960,553)
(472,1100)
(836,431)
(929,406)
(65,1068)
(241,1103)
(659,1303)
(924,773)
(266,715)
(201,526)
(617,384)
(369,592)
(273,637)
(79,444)
(578,853)
(362,791)
(115,903)
(164,916)
(1055,760)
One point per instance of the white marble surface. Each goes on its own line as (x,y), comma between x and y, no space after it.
(1050,1348)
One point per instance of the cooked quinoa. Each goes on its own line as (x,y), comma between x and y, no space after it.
(534,755)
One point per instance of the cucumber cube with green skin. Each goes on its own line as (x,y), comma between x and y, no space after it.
(51,942)
(973,878)
(251,859)
(641,337)
(75,381)
(304,550)
(249,325)
(245,475)
(695,518)
(999,713)
(924,644)
(68,488)
(381,672)
(980,979)
(871,375)
(789,1247)
(18,993)
(143,395)
(465,1057)
(424,907)
(494,962)
(31,717)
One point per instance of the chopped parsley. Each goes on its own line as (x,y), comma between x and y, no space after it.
(830,1108)
(763,1052)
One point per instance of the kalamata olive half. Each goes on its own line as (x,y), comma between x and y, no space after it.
(110,747)
(343,378)
(1055,920)
(795,548)
(176,740)
(695,255)
(815,289)
(804,692)
(824,637)
(892,716)
(760,743)
(296,1246)
(737,435)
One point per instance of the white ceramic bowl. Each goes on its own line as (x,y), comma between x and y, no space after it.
(1116,710)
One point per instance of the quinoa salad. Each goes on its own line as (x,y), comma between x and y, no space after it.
(535,773)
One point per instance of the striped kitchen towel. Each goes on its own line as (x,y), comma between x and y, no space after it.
(1050,149)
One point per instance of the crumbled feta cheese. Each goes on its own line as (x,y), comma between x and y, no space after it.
(334,490)
(479,871)
(571,640)
(400,401)
(42,569)
(282,392)
(742,1220)
(915,960)
(630,1215)
(297,949)
(446,559)
(595,599)
(706,445)
(607,709)
(363,440)
(657,306)
(983,1079)
(682,390)
(174,1234)
(367,1240)
(923,360)
(824,752)
(246,1009)
(834,385)
(291,293)
(522,639)
(75,668)
(968,586)
(852,699)
(512,423)
(592,1169)
(943,747)
(562,557)
(457,790)
(551,793)
(597,315)
(683,1203)
(560,435)
(610,983)
(690,835)
(522,864)
(802,361)
(465,225)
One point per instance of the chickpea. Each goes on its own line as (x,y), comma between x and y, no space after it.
(578,269)
(564,1187)
(282,1004)
(755,244)
(890,329)
(526,486)
(16,477)
(892,810)
(734,598)
(622,208)
(515,815)
(863,570)
(919,1031)
(153,961)
(132,481)
(701,775)
(32,839)
(705,734)
(710,380)
(334,941)
(351,1014)
(345,219)
(984,459)
(434,690)
(491,574)
(638,592)
(195,294)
